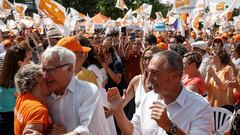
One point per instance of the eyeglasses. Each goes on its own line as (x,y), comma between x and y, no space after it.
(50,70)
(217,41)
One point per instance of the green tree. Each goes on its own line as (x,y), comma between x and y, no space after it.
(107,7)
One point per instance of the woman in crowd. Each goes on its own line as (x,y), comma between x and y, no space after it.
(139,85)
(15,58)
(217,74)
(236,54)
(192,78)
(30,113)
(93,63)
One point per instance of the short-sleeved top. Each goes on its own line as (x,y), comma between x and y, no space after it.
(87,75)
(131,67)
(29,110)
(117,67)
(217,94)
(7,99)
(197,80)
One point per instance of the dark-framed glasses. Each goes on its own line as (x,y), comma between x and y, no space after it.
(146,57)
(50,70)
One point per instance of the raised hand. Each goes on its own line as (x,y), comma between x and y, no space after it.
(115,100)
(233,84)
(210,70)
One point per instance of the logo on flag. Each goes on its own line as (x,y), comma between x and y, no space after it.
(220,6)
(180,3)
(52,11)
(6,5)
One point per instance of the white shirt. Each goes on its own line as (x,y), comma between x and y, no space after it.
(191,112)
(139,93)
(103,92)
(203,67)
(80,109)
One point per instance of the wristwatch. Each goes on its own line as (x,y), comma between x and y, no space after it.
(173,129)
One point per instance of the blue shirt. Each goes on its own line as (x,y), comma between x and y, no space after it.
(7,99)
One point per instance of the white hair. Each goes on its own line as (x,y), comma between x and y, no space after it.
(64,55)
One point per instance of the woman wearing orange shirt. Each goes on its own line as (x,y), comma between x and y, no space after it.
(217,74)
(29,112)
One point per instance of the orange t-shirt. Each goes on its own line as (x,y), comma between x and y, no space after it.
(28,110)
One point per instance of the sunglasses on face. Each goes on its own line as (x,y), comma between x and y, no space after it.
(217,41)
(147,57)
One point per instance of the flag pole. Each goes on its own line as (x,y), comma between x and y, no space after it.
(45,28)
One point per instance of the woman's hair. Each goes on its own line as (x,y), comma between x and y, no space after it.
(179,48)
(27,77)
(223,55)
(93,58)
(25,45)
(151,39)
(103,51)
(153,49)
(237,49)
(193,57)
(11,66)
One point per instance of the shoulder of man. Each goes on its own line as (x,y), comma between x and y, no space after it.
(85,86)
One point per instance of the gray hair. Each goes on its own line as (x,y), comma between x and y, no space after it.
(64,55)
(26,77)
(174,61)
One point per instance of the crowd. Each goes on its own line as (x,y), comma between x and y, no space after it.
(159,83)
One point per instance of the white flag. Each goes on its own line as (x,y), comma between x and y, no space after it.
(19,12)
(184,6)
(216,7)
(6,6)
(227,14)
(144,10)
(121,5)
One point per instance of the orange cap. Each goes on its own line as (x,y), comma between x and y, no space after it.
(72,44)
(224,35)
(162,45)
(237,37)
(160,38)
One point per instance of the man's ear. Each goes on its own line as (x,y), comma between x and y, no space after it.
(20,63)
(175,74)
(70,67)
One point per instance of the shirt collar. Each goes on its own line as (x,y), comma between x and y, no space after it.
(71,85)
(182,96)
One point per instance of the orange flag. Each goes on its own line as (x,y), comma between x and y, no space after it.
(57,14)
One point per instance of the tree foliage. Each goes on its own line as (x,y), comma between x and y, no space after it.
(107,7)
